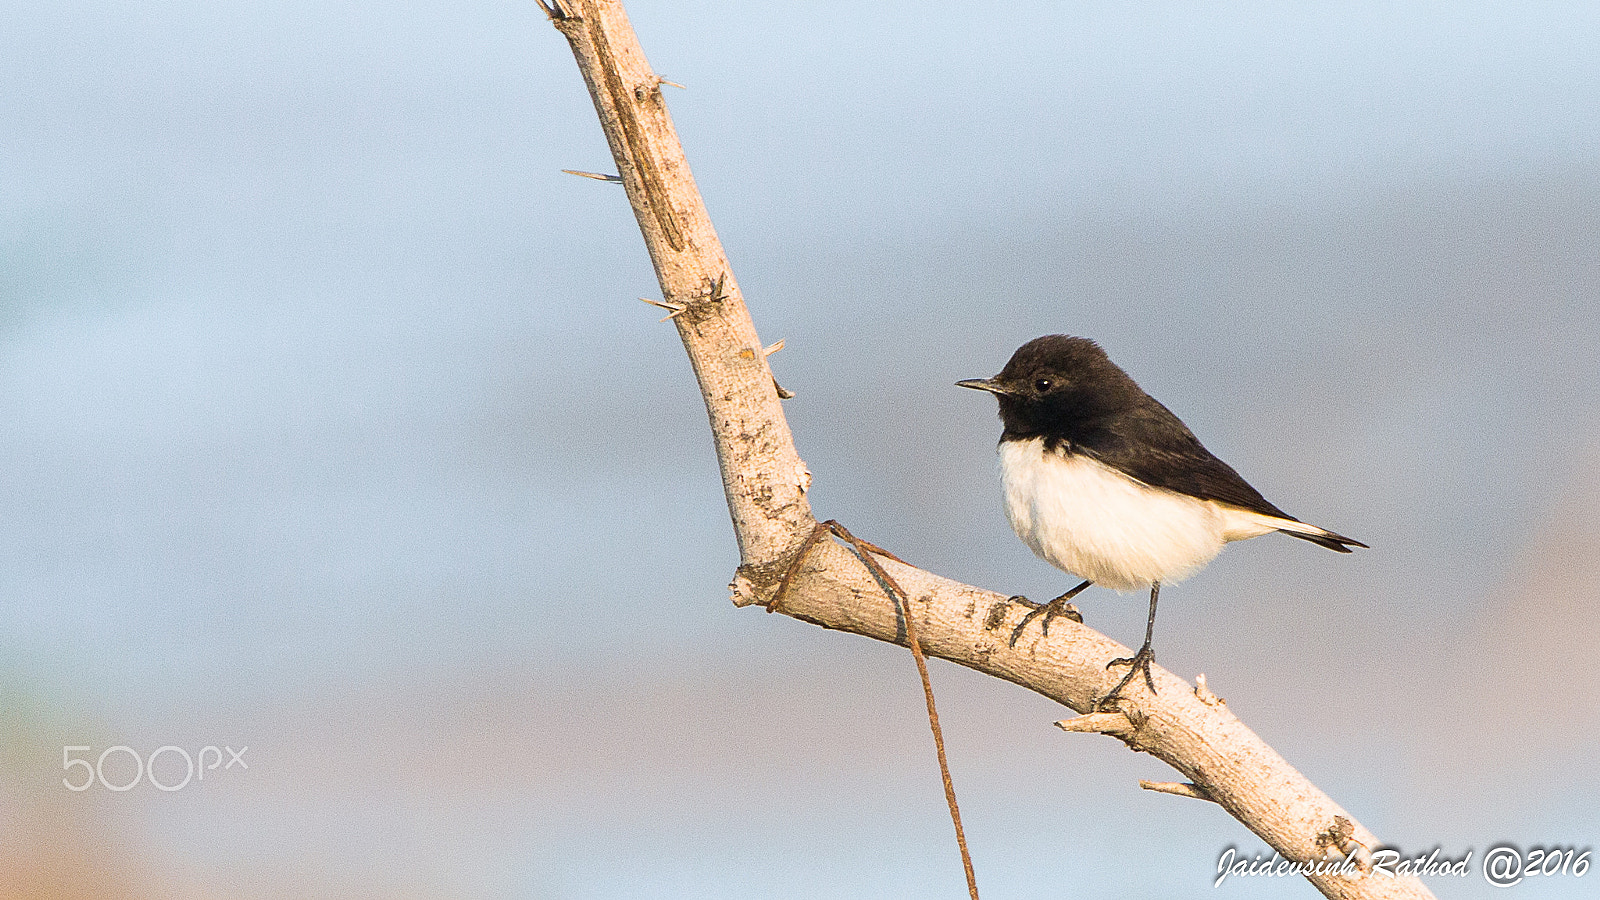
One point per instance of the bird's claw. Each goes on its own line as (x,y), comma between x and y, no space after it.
(1137,663)
(1056,607)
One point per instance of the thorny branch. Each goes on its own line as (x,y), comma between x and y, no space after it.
(765,483)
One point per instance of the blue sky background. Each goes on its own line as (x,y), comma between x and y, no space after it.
(330,425)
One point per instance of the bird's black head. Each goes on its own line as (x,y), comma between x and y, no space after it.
(1056,385)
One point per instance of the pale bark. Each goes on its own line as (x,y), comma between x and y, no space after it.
(765,481)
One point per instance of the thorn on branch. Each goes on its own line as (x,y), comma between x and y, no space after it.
(673,309)
(1179,788)
(1204,693)
(1112,723)
(555,11)
(783,393)
(644,92)
(714,293)
(613,179)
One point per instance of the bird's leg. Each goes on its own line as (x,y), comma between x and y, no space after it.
(1139,662)
(1057,607)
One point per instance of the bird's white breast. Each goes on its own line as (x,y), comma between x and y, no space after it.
(1089,519)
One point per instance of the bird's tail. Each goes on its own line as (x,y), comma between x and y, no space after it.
(1320,536)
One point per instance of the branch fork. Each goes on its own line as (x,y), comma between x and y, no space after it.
(765,484)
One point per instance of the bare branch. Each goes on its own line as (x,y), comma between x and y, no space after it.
(761,471)
(765,483)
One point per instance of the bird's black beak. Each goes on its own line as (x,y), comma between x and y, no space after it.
(984,384)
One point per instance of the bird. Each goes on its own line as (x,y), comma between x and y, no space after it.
(1103,482)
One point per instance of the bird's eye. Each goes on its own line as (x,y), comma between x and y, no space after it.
(1042,385)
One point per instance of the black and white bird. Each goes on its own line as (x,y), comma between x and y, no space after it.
(1103,482)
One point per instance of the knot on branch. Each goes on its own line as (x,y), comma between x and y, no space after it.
(753,583)
(1339,838)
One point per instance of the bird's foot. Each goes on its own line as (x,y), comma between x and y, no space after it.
(1057,607)
(1139,662)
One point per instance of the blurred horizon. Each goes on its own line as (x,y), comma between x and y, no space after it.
(334,429)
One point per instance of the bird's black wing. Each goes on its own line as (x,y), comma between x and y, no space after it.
(1152,445)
